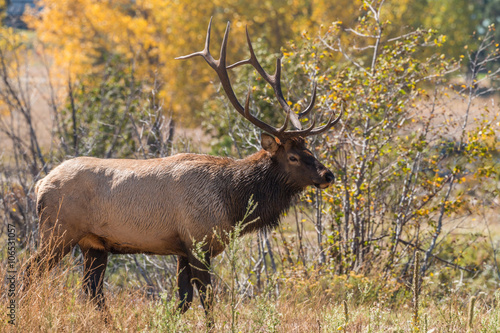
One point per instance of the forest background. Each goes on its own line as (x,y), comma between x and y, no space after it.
(415,156)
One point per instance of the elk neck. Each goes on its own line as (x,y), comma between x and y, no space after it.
(261,177)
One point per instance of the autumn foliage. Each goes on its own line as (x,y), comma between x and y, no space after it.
(83,35)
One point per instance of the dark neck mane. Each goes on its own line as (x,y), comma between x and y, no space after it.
(258,176)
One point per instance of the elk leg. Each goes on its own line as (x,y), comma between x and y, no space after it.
(93,279)
(50,254)
(202,280)
(184,277)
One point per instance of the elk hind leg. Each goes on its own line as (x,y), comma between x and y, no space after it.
(53,248)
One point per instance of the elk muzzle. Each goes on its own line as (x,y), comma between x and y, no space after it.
(327,179)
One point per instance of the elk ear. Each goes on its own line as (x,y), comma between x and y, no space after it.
(269,143)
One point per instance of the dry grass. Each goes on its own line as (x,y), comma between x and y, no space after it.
(55,303)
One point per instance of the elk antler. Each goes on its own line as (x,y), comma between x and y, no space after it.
(274,80)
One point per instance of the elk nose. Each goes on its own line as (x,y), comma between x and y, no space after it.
(329,177)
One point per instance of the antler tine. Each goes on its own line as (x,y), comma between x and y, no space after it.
(219,65)
(331,122)
(205,53)
(276,84)
(251,60)
(311,104)
(257,122)
(280,133)
(273,80)
(302,133)
(223,48)
(282,129)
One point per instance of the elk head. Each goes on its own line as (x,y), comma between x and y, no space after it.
(287,147)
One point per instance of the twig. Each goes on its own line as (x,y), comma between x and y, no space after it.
(449,263)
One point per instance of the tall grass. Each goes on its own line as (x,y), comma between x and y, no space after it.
(56,303)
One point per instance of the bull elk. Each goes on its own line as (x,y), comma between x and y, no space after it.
(164,206)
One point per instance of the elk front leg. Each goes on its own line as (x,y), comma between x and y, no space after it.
(184,277)
(202,280)
(95,262)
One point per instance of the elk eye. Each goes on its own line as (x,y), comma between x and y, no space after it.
(293,159)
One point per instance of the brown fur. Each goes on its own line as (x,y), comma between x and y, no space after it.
(161,206)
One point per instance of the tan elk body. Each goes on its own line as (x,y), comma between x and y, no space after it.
(161,206)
